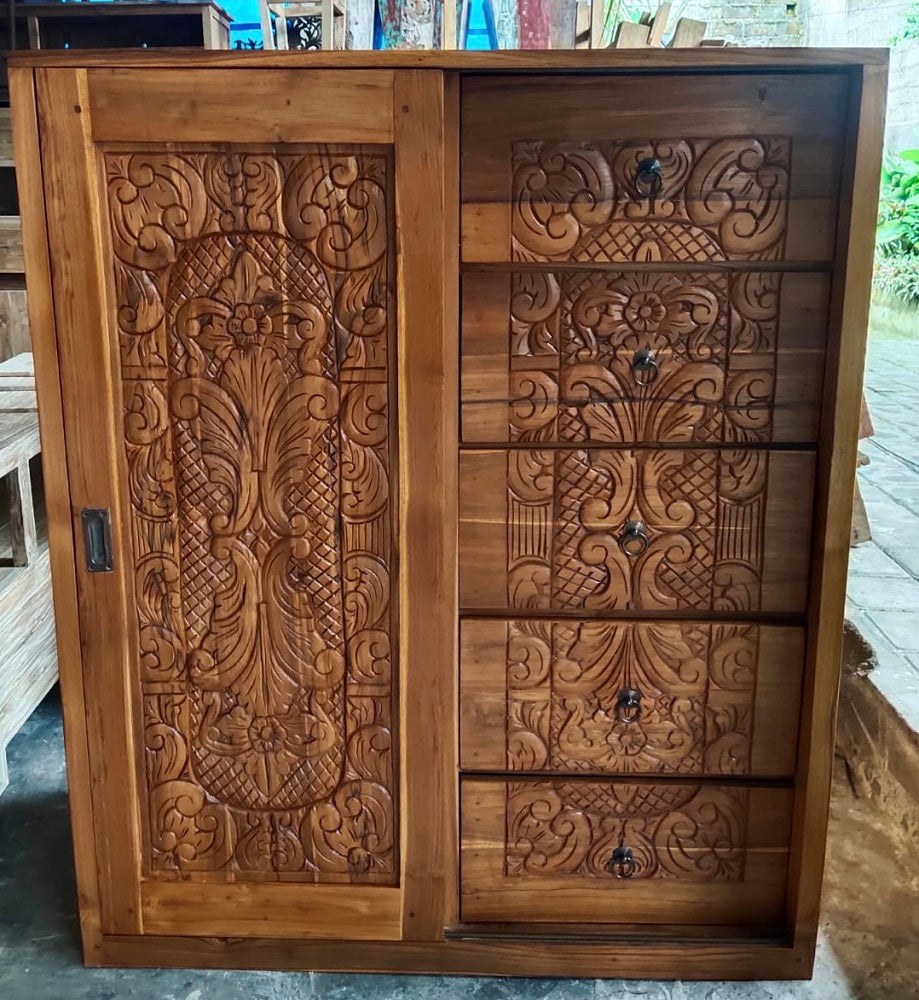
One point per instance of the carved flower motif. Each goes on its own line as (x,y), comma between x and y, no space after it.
(266,735)
(244,313)
(644,311)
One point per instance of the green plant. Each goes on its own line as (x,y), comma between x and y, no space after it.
(898,276)
(898,210)
(910,28)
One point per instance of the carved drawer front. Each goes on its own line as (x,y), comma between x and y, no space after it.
(620,697)
(639,168)
(574,849)
(642,356)
(603,530)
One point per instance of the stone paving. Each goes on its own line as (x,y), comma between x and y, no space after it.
(883,591)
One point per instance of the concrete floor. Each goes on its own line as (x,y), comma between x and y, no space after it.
(883,594)
(869,948)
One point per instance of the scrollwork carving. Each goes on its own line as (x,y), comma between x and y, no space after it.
(253,303)
(721,199)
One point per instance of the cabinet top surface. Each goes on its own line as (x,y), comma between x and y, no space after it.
(500,61)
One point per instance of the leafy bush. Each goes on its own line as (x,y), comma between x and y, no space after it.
(910,27)
(897,259)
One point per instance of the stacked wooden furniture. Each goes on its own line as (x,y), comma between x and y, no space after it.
(317,24)
(28,660)
(449,481)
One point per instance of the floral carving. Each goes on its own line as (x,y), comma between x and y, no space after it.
(703,512)
(557,828)
(696,685)
(253,295)
(719,200)
(573,340)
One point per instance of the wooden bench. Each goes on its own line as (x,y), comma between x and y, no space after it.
(28,657)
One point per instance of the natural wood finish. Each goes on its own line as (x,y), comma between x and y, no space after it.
(313,107)
(10,244)
(14,323)
(238,910)
(834,494)
(653,60)
(549,614)
(688,33)
(426,120)
(659,24)
(539,149)
(91,401)
(525,838)
(62,555)
(545,530)
(6,139)
(630,35)
(618,957)
(744,363)
(548,696)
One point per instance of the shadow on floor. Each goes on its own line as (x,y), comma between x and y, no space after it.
(869,949)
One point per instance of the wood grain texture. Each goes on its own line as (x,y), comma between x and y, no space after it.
(551,168)
(322,107)
(362,913)
(629,698)
(548,530)
(556,356)
(834,495)
(14,323)
(426,127)
(91,398)
(62,556)
(255,367)
(11,259)
(653,60)
(705,853)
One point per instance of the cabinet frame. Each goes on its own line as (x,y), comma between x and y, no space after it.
(426,935)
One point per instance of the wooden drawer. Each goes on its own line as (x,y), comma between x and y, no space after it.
(558,356)
(748,171)
(543,851)
(629,697)
(725,530)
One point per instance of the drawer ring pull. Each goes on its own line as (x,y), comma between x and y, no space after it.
(622,863)
(645,368)
(628,706)
(634,539)
(648,178)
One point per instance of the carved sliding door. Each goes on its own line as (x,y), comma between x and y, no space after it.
(245,420)
(255,319)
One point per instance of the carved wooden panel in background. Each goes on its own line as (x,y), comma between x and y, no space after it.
(696,684)
(573,339)
(255,318)
(685,831)
(721,199)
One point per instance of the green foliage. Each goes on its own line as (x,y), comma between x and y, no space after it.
(910,28)
(897,258)
(898,276)
(898,211)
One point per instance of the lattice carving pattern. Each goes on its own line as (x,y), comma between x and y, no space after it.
(721,199)
(704,512)
(573,339)
(558,828)
(696,681)
(255,321)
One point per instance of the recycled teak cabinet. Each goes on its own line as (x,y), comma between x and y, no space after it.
(449,464)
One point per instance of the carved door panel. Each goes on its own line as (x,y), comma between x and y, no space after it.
(245,413)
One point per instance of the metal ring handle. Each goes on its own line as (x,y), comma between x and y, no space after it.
(634,539)
(628,705)
(648,177)
(622,864)
(645,368)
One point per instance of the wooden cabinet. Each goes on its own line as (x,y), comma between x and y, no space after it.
(448,480)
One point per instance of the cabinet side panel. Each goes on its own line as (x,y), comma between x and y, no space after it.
(57,495)
(834,492)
